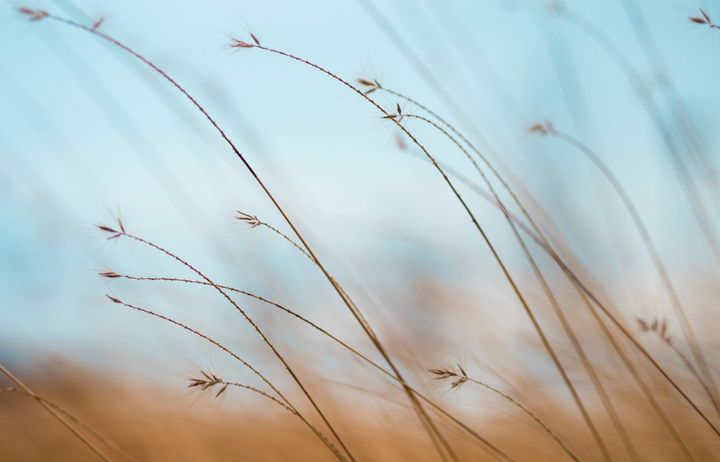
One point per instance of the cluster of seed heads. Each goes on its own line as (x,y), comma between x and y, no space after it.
(237,43)
(370,85)
(113,232)
(208,381)
(542,128)
(33,14)
(398,114)
(251,220)
(657,327)
(458,377)
(704,19)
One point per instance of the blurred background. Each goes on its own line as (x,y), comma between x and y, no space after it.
(89,134)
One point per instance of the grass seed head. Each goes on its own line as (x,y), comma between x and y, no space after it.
(109,274)
(251,220)
(33,14)
(237,43)
(541,128)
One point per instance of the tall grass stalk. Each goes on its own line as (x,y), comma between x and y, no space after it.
(425,419)
(600,389)
(654,254)
(440,410)
(588,297)
(121,232)
(460,376)
(238,358)
(75,420)
(59,416)
(395,118)
(684,177)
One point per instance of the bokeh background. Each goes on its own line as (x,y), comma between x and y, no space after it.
(87,134)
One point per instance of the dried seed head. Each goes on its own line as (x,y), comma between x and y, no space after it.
(114,233)
(251,220)
(237,43)
(109,274)
(33,14)
(222,390)
(704,19)
(207,381)
(114,299)
(371,85)
(658,327)
(541,128)
(442,374)
(98,23)
(255,39)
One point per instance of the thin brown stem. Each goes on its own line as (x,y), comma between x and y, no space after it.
(339,341)
(550,296)
(643,94)
(76,420)
(343,295)
(55,413)
(460,377)
(671,292)
(237,357)
(588,297)
(252,323)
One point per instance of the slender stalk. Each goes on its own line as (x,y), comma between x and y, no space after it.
(685,179)
(265,339)
(422,69)
(255,222)
(551,298)
(55,413)
(237,357)
(458,196)
(654,254)
(660,329)
(588,297)
(76,420)
(295,314)
(427,422)
(460,377)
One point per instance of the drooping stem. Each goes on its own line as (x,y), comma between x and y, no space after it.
(237,357)
(425,419)
(588,297)
(55,413)
(74,419)
(654,254)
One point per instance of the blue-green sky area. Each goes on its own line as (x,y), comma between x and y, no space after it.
(88,133)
